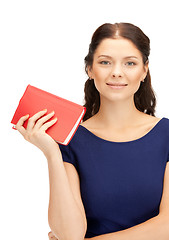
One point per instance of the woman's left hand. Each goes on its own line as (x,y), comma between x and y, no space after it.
(52,236)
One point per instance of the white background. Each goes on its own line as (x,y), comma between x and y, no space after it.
(43,43)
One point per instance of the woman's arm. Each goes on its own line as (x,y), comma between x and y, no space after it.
(156,228)
(65,217)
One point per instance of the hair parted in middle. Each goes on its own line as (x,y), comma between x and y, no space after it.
(144,98)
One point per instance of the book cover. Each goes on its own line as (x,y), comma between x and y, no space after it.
(69,114)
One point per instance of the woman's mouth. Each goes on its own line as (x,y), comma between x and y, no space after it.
(117,85)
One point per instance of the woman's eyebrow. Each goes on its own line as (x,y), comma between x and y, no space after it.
(107,56)
(104,56)
(131,57)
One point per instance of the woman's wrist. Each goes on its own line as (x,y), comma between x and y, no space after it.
(53,154)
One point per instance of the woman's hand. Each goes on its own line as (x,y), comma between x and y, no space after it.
(35,131)
(52,236)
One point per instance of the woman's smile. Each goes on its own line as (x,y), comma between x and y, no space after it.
(117,86)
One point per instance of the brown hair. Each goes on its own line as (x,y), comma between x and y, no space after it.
(144,98)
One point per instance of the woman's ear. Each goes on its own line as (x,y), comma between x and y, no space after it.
(89,71)
(146,67)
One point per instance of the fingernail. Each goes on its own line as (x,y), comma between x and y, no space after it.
(26,115)
(55,119)
(44,110)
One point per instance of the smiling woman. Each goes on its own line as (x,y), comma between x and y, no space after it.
(107,183)
(120,150)
(123,66)
(120,48)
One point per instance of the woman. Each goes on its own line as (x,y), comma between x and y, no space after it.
(112,180)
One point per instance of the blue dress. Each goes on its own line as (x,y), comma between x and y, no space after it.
(121,182)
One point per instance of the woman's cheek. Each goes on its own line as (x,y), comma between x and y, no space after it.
(135,85)
(97,84)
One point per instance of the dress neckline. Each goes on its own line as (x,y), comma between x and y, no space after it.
(132,141)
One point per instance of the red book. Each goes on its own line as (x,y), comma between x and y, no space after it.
(69,114)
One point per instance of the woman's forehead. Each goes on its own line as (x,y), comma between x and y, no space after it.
(120,47)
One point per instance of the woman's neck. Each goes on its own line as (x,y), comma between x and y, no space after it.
(120,114)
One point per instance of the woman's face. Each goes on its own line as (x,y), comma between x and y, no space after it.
(117,61)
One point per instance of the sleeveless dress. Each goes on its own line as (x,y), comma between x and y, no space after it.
(121,183)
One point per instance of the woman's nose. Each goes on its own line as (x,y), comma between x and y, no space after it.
(115,75)
(116,71)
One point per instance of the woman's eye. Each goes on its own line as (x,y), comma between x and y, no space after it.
(105,62)
(130,63)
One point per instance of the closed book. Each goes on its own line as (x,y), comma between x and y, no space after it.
(68,113)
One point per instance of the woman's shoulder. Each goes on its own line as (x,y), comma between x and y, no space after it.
(163,124)
(90,123)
